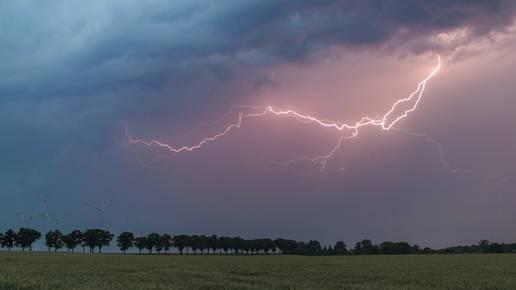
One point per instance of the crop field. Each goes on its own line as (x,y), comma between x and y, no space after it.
(116,271)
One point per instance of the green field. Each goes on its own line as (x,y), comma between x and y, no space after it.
(115,271)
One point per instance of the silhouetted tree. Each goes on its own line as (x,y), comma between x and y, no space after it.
(90,239)
(180,242)
(194,243)
(202,243)
(105,238)
(427,250)
(254,245)
(189,241)
(97,238)
(365,247)
(75,239)
(159,245)
(68,242)
(54,239)
(72,240)
(238,244)
(153,240)
(140,243)
(340,248)
(166,242)
(26,237)
(274,249)
(246,246)
(225,244)
(495,248)
(83,242)
(313,247)
(9,239)
(213,243)
(400,248)
(285,246)
(484,245)
(125,241)
(267,245)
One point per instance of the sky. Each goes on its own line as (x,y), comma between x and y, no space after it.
(75,74)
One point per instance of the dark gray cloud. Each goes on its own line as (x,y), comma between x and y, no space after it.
(58,48)
(71,72)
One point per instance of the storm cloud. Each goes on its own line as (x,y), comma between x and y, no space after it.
(72,73)
(70,48)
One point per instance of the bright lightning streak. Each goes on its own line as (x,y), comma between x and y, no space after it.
(385,122)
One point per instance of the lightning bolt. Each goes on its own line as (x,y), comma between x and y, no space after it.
(444,162)
(395,114)
(387,122)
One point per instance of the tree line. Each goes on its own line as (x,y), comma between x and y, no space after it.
(92,239)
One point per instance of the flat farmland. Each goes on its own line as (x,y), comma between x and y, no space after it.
(116,271)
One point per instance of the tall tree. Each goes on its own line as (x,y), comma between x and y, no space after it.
(202,243)
(225,244)
(90,238)
(167,242)
(9,239)
(340,248)
(213,243)
(189,241)
(313,247)
(140,243)
(180,242)
(484,245)
(83,242)
(254,246)
(68,242)
(54,239)
(153,240)
(365,247)
(125,241)
(246,247)
(97,238)
(266,245)
(75,239)
(158,245)
(26,237)
(194,243)
(237,244)
(285,246)
(105,238)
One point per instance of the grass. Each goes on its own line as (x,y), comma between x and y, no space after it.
(115,271)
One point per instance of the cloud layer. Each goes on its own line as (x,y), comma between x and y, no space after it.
(72,72)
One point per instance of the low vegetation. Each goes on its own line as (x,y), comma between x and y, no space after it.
(40,270)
